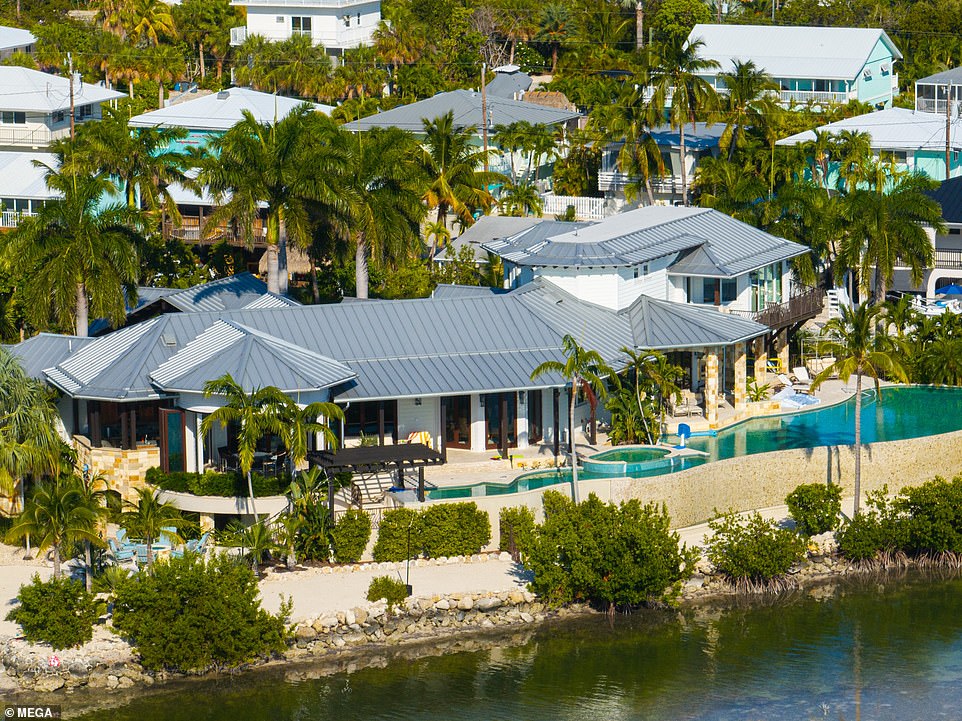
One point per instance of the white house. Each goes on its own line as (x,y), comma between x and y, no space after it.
(35,106)
(336,24)
(15,40)
(810,64)
(22,187)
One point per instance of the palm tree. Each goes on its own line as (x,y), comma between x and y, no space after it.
(300,423)
(749,103)
(258,412)
(819,150)
(890,228)
(555,26)
(439,235)
(452,164)
(151,19)
(806,214)
(257,539)
(660,373)
(148,517)
(55,516)
(520,200)
(94,492)
(853,149)
(861,347)
(279,164)
(726,187)
(677,73)
(586,371)
(81,254)
(165,64)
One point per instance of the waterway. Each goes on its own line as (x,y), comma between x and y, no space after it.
(886,648)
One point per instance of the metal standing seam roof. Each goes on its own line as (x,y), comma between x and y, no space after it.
(952,75)
(27,90)
(662,325)
(892,129)
(453,290)
(13,38)
(220,111)
(949,196)
(252,358)
(507,84)
(651,232)
(21,177)
(790,51)
(45,350)
(243,290)
(466,107)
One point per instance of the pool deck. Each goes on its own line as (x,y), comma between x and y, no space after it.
(467,467)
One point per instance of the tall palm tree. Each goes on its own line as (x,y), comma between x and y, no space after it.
(81,254)
(453,166)
(279,164)
(806,214)
(55,516)
(889,228)
(259,412)
(150,20)
(677,73)
(726,187)
(520,200)
(861,347)
(148,517)
(555,25)
(300,423)
(165,64)
(819,151)
(749,103)
(94,492)
(853,149)
(660,373)
(586,371)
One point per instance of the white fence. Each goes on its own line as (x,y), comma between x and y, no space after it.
(585,208)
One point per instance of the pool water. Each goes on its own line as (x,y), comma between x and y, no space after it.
(902,412)
(632,454)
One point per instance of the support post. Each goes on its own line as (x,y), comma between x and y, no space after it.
(444,430)
(380,422)
(555,394)
(781,348)
(711,386)
(740,390)
(761,362)
(503,423)
(421,484)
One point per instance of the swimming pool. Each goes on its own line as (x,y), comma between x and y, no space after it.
(619,462)
(904,412)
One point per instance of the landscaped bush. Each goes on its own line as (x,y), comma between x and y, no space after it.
(390,589)
(454,529)
(752,550)
(350,536)
(606,554)
(213,483)
(517,529)
(59,612)
(815,507)
(398,534)
(932,514)
(195,614)
(878,531)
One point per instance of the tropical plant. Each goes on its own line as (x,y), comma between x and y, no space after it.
(81,253)
(148,517)
(95,494)
(678,85)
(815,507)
(555,25)
(256,541)
(752,551)
(586,372)
(390,589)
(861,347)
(58,612)
(300,423)
(351,533)
(748,103)
(150,20)
(56,516)
(258,412)
(520,200)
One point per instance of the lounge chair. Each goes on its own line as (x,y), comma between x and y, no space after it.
(121,553)
(803,381)
(784,381)
(689,405)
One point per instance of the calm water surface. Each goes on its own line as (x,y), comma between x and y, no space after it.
(879,650)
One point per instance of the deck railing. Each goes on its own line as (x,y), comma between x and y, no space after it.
(805,304)
(948,258)
(193,229)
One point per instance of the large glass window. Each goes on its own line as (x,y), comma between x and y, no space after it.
(172,442)
(457,421)
(8,117)
(370,419)
(500,419)
(535,421)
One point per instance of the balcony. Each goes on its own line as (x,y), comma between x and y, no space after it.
(615,180)
(813,96)
(30,136)
(194,230)
(804,305)
(948,258)
(11,218)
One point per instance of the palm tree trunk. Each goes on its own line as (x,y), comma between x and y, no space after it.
(160,94)
(282,274)
(273,283)
(315,290)
(88,571)
(200,55)
(360,267)
(639,25)
(554,58)
(649,191)
(56,560)
(684,170)
(250,493)
(82,310)
(858,440)
(575,494)
(150,554)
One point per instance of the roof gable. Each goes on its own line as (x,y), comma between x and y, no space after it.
(660,324)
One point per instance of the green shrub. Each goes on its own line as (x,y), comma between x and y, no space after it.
(932,515)
(454,529)
(752,549)
(213,483)
(59,612)
(399,533)
(815,507)
(517,529)
(192,614)
(390,589)
(606,554)
(350,536)
(879,529)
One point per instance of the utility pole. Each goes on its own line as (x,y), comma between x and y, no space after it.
(70,67)
(484,115)
(948,131)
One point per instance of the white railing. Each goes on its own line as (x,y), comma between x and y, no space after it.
(35,136)
(342,38)
(615,180)
(585,208)
(11,218)
(815,96)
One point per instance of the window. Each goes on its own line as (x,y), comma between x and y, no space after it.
(710,291)
(955,231)
(729,290)
(300,26)
(59,116)
(9,117)
(83,111)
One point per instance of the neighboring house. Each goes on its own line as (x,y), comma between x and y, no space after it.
(509,82)
(205,117)
(22,187)
(35,107)
(811,64)
(487,229)
(15,40)
(931,92)
(338,25)
(456,366)
(701,142)
(465,105)
(915,140)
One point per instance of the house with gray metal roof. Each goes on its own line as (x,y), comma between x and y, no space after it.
(820,65)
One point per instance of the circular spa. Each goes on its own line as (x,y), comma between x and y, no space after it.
(624,461)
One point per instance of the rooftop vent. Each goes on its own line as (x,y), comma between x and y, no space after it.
(168,340)
(223,94)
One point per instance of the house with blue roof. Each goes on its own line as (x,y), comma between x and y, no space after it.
(709,290)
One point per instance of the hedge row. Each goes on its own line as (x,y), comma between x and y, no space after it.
(213,483)
(455,529)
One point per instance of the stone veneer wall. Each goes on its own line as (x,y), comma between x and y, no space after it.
(124,469)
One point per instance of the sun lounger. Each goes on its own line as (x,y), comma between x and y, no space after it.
(803,381)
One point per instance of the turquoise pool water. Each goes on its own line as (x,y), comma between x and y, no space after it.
(903,412)
(632,454)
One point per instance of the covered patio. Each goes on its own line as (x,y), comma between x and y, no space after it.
(370,464)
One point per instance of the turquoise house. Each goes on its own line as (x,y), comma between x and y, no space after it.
(812,65)
(916,140)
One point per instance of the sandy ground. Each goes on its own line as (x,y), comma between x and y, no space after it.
(315,593)
(14,572)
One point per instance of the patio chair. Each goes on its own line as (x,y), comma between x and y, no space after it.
(141,551)
(168,535)
(783,381)
(803,381)
(120,554)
